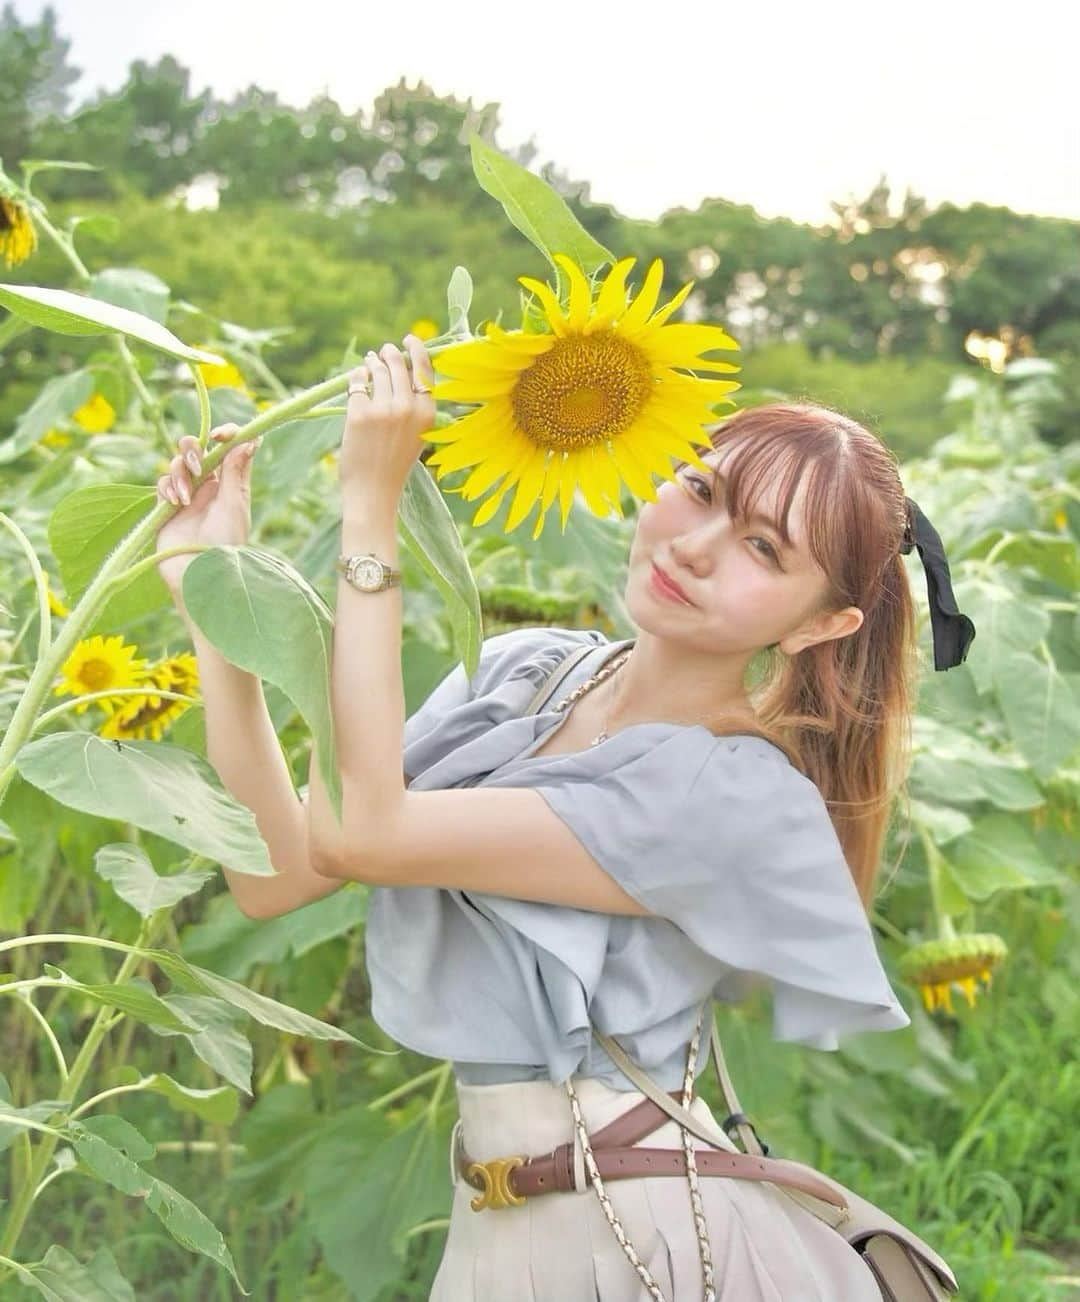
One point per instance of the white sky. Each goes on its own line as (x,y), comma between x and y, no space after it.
(783,106)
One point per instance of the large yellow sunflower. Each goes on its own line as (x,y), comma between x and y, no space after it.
(97,664)
(602,395)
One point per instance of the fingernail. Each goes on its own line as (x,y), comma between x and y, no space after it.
(192,458)
(185,496)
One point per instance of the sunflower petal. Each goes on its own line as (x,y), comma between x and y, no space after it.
(580,293)
(488,509)
(551,304)
(659,317)
(675,344)
(530,482)
(475,388)
(518,340)
(611,301)
(567,484)
(642,306)
(634,476)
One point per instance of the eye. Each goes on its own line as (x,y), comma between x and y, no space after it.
(767,550)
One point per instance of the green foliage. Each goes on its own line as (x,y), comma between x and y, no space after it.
(333,1181)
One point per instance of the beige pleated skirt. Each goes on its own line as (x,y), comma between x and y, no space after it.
(561,1248)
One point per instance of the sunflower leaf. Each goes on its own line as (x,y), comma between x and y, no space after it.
(66,313)
(539,212)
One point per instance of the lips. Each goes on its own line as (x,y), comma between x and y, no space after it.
(670,583)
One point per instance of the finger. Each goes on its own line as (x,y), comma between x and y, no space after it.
(191,452)
(423,368)
(394,360)
(166,490)
(181,478)
(382,388)
(359,382)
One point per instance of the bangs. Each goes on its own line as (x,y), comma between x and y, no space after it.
(753,459)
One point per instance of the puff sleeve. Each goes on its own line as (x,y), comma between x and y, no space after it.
(732,844)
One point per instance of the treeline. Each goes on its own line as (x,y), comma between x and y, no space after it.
(338,224)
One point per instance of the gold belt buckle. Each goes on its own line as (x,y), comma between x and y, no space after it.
(496,1177)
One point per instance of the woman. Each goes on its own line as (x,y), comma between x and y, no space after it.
(670,854)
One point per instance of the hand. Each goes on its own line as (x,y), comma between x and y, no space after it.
(219,511)
(382,437)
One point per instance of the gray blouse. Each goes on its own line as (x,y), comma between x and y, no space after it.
(726,843)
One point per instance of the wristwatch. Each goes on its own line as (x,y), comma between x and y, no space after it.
(367,573)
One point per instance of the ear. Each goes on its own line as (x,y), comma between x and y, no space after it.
(837,623)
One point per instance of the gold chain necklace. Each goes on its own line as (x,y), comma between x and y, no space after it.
(605,671)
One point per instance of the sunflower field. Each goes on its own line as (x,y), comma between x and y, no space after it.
(197,1104)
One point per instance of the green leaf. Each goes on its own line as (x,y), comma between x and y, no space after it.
(133,288)
(539,212)
(41,1110)
(135,1000)
(430,533)
(459,294)
(264,1009)
(85,528)
(233,944)
(218,1104)
(366,1189)
(998,854)
(265,617)
(137,882)
(120,1133)
(951,766)
(184,1221)
(67,313)
(1041,705)
(1007,617)
(158,787)
(59,397)
(218,1042)
(60,1277)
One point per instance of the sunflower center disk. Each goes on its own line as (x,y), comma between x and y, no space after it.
(586,389)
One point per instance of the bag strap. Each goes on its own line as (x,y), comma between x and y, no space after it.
(736,1117)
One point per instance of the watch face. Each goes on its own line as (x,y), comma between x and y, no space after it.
(368,573)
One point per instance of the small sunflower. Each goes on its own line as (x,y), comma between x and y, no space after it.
(226,375)
(95,415)
(149,716)
(600,395)
(18,238)
(936,964)
(55,438)
(96,664)
(424,328)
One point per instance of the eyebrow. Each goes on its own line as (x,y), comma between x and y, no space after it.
(759,518)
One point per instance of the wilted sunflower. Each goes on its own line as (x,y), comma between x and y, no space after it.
(147,717)
(935,964)
(602,395)
(18,239)
(96,664)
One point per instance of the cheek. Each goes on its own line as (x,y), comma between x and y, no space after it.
(671,513)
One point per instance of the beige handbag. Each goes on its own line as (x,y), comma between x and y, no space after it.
(906,1268)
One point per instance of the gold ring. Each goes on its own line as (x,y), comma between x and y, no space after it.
(359,388)
(421,389)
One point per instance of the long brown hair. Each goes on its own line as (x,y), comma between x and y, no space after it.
(841,709)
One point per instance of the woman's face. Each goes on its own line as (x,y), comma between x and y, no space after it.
(746,590)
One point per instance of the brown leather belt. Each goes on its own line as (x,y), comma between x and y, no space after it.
(508,1181)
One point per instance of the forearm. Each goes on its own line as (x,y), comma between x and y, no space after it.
(367,695)
(243,748)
